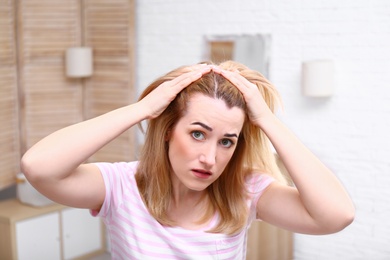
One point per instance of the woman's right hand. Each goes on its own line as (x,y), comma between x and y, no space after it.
(158,100)
(55,166)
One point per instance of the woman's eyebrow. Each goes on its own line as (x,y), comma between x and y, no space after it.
(231,135)
(210,129)
(203,125)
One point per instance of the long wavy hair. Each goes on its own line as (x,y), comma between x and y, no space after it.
(227,195)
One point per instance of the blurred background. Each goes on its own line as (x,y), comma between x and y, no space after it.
(134,42)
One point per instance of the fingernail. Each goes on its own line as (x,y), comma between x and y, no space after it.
(215,68)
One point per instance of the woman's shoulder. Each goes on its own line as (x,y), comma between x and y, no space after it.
(118,167)
(256,175)
(258,181)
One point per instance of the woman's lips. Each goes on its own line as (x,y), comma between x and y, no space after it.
(201,173)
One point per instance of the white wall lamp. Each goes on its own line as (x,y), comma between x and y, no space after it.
(318,78)
(79,62)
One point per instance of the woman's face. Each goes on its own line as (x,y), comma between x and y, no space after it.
(203,141)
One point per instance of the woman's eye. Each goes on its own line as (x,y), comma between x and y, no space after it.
(226,142)
(197,135)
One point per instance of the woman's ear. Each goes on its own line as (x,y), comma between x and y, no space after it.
(168,135)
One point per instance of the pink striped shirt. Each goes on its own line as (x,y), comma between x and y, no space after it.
(135,234)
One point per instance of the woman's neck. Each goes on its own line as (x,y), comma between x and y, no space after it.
(188,210)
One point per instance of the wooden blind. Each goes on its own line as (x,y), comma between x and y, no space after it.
(51,101)
(34,35)
(9,134)
(109,30)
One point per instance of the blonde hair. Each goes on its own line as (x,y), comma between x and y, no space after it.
(227,195)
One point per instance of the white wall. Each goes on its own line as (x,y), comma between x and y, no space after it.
(349,131)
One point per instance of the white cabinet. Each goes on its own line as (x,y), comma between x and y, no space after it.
(52,232)
(38,238)
(81,233)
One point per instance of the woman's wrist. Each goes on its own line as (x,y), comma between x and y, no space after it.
(266,121)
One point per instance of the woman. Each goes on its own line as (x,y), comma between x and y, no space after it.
(205,173)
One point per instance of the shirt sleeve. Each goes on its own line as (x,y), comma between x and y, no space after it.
(115,176)
(256,185)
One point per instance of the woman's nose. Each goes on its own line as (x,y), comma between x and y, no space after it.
(208,156)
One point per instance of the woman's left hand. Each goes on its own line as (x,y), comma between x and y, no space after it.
(258,109)
(318,204)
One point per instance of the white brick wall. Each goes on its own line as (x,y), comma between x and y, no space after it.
(349,132)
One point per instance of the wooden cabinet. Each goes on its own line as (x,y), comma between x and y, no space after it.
(267,242)
(52,232)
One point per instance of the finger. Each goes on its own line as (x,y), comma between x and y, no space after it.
(237,80)
(186,79)
(199,66)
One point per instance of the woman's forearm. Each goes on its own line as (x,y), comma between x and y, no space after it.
(57,155)
(320,191)
(64,150)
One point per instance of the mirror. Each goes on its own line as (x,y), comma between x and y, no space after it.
(251,50)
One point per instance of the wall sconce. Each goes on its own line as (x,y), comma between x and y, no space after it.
(79,62)
(318,78)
